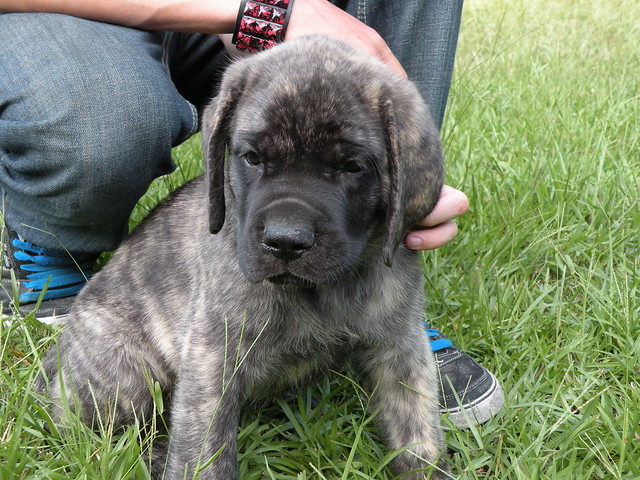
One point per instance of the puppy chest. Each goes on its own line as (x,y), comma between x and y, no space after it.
(286,363)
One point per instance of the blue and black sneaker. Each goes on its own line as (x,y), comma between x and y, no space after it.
(469,393)
(47,280)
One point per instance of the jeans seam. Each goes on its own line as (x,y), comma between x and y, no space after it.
(362,11)
(165,51)
(194,122)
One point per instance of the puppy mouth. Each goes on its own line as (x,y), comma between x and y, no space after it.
(290,279)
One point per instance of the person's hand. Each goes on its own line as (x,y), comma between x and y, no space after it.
(319,17)
(440,227)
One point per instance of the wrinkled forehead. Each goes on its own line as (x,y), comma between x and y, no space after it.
(307,114)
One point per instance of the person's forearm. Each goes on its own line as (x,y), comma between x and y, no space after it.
(204,16)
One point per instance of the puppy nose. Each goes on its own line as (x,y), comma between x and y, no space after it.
(287,242)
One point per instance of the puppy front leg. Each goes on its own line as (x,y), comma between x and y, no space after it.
(403,385)
(204,423)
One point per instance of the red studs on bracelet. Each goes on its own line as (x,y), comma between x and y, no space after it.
(261,24)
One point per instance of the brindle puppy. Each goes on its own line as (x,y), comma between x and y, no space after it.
(323,158)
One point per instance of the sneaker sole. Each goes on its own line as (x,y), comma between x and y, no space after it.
(53,319)
(46,315)
(478,412)
(7,320)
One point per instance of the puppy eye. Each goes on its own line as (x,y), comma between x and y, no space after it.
(251,158)
(353,167)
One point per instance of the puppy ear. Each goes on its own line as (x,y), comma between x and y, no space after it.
(216,127)
(415,164)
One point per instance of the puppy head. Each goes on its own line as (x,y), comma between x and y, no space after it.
(345,154)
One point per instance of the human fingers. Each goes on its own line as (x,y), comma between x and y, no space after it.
(440,226)
(432,238)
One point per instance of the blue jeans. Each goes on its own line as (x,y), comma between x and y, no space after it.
(89,112)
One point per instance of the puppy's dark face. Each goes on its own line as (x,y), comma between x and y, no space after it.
(304,177)
(322,156)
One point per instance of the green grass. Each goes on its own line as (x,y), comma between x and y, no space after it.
(542,284)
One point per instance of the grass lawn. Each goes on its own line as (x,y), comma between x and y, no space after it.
(542,284)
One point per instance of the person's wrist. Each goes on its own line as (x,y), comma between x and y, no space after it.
(227,12)
(261,24)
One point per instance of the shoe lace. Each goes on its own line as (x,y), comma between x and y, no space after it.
(437,341)
(61,273)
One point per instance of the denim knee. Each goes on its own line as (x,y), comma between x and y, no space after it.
(85,125)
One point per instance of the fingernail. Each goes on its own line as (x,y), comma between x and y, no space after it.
(413,241)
